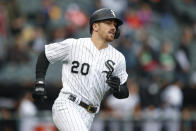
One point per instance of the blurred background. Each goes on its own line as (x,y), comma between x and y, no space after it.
(158,40)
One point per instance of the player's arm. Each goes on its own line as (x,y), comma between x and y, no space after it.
(119,91)
(53,52)
(117,80)
(39,91)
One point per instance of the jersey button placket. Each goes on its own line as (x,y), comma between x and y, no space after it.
(94,70)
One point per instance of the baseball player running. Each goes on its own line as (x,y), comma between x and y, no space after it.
(91,66)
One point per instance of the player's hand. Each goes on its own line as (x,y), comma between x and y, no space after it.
(114,83)
(39,91)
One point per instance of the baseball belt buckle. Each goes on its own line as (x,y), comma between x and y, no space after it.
(90,108)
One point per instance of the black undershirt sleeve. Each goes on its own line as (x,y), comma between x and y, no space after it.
(41,66)
(123,92)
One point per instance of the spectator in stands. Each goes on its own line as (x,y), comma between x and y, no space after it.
(189,97)
(167,60)
(44,12)
(13,10)
(77,21)
(194,30)
(27,112)
(27,107)
(167,21)
(3,32)
(172,98)
(150,89)
(40,40)
(2,52)
(151,119)
(126,48)
(118,5)
(76,16)
(145,14)
(49,12)
(18,53)
(132,19)
(182,57)
(8,123)
(3,20)
(58,34)
(17,26)
(147,60)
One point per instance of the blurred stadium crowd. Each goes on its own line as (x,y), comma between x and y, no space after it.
(157,40)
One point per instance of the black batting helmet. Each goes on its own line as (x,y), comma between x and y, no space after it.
(105,14)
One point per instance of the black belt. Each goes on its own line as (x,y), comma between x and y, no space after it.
(90,108)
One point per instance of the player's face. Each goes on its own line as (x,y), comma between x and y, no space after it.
(107,30)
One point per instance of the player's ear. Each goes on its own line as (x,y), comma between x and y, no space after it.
(95,27)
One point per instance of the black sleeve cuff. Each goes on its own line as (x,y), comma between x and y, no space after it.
(123,92)
(41,66)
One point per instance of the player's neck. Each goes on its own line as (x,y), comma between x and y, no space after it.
(99,43)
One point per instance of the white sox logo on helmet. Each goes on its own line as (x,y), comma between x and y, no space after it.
(113,13)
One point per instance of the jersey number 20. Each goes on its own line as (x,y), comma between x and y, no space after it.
(84,69)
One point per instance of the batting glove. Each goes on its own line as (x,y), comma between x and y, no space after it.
(114,83)
(39,92)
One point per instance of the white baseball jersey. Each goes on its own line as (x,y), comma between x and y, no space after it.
(84,67)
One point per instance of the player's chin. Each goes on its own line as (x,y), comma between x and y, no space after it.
(110,38)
